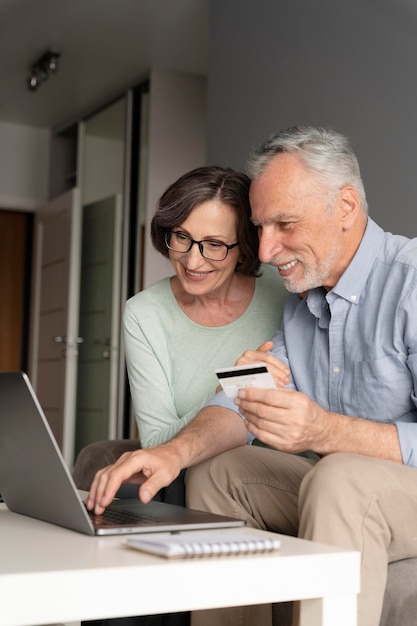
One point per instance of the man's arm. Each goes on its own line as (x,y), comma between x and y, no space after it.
(290,421)
(213,430)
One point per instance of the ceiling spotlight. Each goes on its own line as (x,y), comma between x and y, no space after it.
(41,70)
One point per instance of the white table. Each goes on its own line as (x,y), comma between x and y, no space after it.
(49,574)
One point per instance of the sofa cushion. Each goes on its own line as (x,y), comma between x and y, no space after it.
(400,602)
(97,455)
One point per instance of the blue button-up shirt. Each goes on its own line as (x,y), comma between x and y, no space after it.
(353,350)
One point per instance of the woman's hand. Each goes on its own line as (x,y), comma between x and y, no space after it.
(279,372)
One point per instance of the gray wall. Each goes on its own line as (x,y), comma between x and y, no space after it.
(347,64)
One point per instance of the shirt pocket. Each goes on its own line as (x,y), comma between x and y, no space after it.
(382,389)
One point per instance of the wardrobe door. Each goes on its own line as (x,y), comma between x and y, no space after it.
(54,328)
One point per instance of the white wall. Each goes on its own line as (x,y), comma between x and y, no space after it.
(347,64)
(24,166)
(177,143)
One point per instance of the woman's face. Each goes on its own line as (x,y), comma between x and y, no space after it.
(214,221)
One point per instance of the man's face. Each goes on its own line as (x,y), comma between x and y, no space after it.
(299,225)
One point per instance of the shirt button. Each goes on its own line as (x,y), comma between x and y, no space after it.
(336,369)
(353,298)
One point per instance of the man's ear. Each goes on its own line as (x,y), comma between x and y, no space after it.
(349,205)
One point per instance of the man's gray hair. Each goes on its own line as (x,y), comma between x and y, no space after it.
(323,152)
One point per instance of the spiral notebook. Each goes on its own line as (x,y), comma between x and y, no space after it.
(194,544)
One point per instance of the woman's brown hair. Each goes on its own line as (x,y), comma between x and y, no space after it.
(200,185)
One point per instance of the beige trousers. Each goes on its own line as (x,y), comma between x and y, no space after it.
(345,500)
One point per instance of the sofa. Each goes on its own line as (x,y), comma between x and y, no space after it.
(400,602)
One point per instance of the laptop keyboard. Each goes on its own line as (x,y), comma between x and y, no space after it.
(111,517)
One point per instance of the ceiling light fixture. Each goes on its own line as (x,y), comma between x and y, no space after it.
(42,69)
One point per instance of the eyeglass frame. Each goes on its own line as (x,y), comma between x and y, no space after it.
(200,245)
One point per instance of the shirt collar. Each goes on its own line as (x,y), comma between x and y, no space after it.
(318,306)
(353,279)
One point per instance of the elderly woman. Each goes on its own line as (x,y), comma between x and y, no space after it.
(218,303)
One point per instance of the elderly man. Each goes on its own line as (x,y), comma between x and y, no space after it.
(349,337)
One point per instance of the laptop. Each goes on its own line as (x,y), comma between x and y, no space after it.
(35,481)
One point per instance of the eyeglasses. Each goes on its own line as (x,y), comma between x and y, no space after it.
(211,250)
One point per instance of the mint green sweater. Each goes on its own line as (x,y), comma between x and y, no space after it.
(171,359)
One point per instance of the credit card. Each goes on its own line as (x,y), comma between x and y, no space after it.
(234,378)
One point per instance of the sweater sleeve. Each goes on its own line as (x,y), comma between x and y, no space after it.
(150,386)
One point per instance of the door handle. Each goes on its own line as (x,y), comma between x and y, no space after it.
(63,339)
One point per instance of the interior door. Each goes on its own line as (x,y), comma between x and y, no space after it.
(54,336)
(99,322)
(15,232)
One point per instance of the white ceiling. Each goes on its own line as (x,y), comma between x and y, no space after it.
(106,46)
